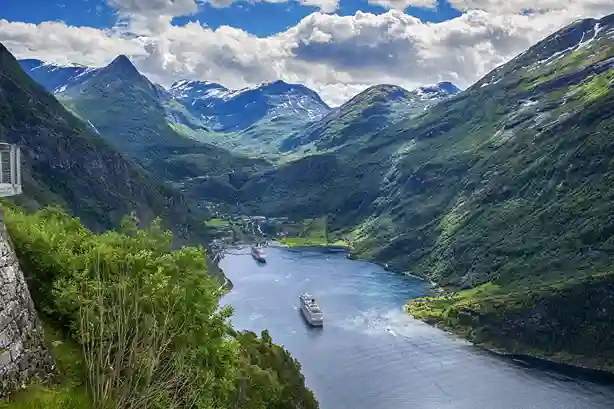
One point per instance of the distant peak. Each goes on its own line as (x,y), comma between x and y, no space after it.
(121,59)
(275,84)
(387,88)
(444,86)
(184,82)
(123,63)
(30,60)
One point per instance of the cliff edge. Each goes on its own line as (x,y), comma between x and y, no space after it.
(23,354)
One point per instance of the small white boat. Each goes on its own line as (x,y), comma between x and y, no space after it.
(311,310)
(258,253)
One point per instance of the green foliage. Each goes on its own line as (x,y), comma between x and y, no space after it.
(41,397)
(147,319)
(566,321)
(271,378)
(310,232)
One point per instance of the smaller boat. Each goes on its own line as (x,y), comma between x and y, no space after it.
(258,253)
(311,310)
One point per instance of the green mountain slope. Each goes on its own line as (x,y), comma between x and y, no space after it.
(128,110)
(506,187)
(250,120)
(336,155)
(365,115)
(65,163)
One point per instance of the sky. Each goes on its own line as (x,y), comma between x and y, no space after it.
(336,47)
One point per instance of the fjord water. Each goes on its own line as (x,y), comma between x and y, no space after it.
(370,355)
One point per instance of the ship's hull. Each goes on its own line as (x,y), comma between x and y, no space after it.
(258,255)
(313,321)
(259,258)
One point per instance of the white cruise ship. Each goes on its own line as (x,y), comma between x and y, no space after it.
(258,253)
(311,310)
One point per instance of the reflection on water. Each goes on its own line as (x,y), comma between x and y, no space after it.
(370,354)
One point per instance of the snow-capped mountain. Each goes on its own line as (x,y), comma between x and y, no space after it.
(64,78)
(252,119)
(56,78)
(440,90)
(225,110)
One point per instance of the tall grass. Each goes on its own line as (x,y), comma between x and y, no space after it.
(129,351)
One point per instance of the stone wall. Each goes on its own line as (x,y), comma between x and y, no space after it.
(23,354)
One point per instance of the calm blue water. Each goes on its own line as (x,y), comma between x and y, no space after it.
(370,355)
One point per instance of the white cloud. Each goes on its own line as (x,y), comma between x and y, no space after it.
(57,42)
(518,6)
(336,55)
(163,9)
(403,4)
(154,7)
(325,6)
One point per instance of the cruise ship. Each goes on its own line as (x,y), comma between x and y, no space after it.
(311,310)
(258,253)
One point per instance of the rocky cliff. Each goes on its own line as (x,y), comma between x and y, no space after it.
(23,354)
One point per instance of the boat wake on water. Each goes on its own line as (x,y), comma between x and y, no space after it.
(393,322)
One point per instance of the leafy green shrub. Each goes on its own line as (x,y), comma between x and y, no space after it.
(148,319)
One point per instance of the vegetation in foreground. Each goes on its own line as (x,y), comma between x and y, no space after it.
(139,324)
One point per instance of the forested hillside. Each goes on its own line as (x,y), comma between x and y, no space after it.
(506,185)
(66,163)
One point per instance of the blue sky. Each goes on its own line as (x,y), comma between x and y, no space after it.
(336,47)
(259,18)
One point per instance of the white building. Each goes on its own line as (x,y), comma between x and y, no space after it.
(10,170)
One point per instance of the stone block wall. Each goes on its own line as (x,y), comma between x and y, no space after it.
(23,354)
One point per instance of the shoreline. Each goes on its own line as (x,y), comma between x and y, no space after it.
(579,370)
(576,371)
(323,247)
(332,248)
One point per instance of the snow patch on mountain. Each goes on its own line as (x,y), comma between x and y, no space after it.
(57,78)
(226,110)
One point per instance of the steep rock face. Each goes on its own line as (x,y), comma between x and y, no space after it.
(23,354)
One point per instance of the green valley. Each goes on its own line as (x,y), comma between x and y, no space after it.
(501,195)
(508,184)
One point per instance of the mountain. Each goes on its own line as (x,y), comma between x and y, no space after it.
(338,160)
(366,114)
(66,163)
(56,78)
(126,109)
(226,110)
(502,194)
(250,119)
